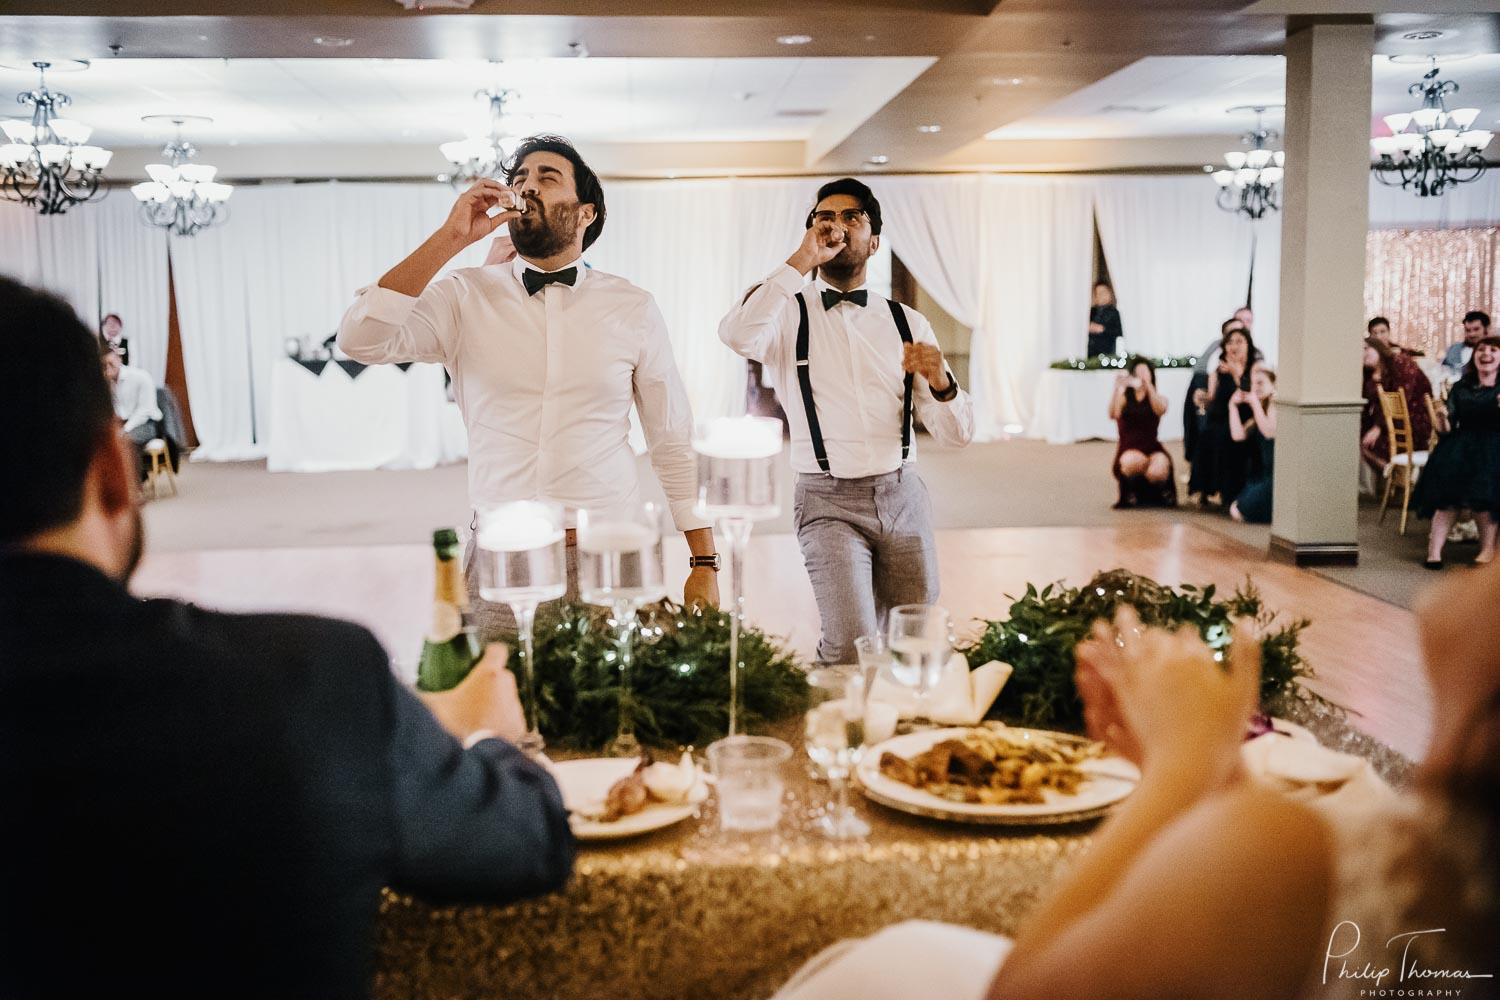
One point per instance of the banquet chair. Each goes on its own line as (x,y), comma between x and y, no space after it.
(1432,417)
(160,469)
(1406,462)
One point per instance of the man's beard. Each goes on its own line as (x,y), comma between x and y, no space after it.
(847,262)
(545,232)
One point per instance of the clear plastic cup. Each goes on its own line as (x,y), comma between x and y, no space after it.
(750,781)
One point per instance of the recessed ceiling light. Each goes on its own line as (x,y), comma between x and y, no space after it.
(1422,36)
(1006,81)
(878,160)
(793,39)
(929,129)
(333,42)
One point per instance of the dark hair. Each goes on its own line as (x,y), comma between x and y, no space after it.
(1224,326)
(1377,321)
(1251,354)
(855,189)
(1482,317)
(585,181)
(1139,359)
(1387,364)
(53,397)
(111,316)
(1470,374)
(1266,369)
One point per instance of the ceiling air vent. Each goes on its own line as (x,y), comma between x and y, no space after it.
(801,113)
(1130,109)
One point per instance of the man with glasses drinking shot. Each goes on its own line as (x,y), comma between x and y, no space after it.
(850,368)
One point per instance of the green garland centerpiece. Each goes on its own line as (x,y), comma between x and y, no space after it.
(679,677)
(1103,362)
(1045,626)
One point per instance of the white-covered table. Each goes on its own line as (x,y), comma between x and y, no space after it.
(385,417)
(1074,405)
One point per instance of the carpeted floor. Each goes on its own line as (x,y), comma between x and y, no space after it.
(1004,484)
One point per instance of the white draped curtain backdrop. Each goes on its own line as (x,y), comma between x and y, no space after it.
(1008,256)
(102,259)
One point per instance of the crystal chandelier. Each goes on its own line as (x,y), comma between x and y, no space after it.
(1442,150)
(482,155)
(47,164)
(1250,182)
(181,196)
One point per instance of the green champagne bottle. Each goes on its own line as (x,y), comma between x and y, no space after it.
(453,645)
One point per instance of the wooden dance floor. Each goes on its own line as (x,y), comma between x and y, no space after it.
(1365,651)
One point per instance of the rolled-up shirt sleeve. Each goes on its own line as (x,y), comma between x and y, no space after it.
(384,326)
(756,324)
(667,420)
(952,422)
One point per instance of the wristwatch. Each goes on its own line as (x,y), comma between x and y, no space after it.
(711,562)
(947,395)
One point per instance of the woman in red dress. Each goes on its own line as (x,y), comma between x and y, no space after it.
(1389,370)
(1142,466)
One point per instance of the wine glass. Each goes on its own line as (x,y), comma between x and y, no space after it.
(835,737)
(620,567)
(523,562)
(920,643)
(739,483)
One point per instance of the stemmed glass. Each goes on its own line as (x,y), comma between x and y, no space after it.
(920,641)
(620,567)
(835,736)
(738,484)
(523,562)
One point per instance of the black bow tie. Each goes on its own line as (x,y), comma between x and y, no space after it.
(535,280)
(832,297)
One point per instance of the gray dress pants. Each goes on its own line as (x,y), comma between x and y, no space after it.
(868,546)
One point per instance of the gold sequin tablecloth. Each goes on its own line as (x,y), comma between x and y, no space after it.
(689,912)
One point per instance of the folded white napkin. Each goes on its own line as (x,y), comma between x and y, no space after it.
(960,698)
(1306,770)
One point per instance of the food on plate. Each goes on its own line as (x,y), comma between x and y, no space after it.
(671,783)
(995,766)
(628,795)
(650,782)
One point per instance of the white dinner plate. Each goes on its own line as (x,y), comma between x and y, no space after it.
(1109,780)
(585,783)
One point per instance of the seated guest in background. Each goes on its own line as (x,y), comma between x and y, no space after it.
(1253,505)
(1104,321)
(112,329)
(1195,405)
(1380,329)
(1142,466)
(1476,327)
(1386,370)
(134,394)
(201,804)
(1463,471)
(1208,885)
(1222,465)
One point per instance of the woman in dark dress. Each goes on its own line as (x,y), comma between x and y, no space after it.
(1388,370)
(1463,472)
(1253,505)
(1104,322)
(1142,466)
(1221,465)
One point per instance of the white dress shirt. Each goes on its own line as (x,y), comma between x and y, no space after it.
(135,397)
(854,356)
(545,382)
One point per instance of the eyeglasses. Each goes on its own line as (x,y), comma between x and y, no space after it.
(850,217)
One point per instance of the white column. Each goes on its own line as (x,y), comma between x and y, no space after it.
(1324,219)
